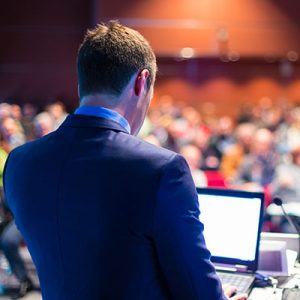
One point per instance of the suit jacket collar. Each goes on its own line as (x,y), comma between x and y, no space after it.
(82,121)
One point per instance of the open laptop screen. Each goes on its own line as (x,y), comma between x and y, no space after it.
(232,223)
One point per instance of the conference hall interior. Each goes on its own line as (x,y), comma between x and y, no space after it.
(226,96)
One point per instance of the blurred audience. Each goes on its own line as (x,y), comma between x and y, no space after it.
(193,156)
(43,124)
(286,182)
(259,149)
(29,112)
(5,110)
(293,131)
(235,153)
(258,166)
(220,140)
(12,133)
(58,112)
(3,157)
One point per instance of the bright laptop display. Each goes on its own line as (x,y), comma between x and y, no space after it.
(232,223)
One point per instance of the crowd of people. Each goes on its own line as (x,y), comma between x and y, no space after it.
(19,125)
(257,150)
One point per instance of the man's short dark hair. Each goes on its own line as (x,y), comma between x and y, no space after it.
(108,57)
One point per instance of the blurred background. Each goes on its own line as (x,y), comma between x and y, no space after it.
(227,93)
(213,54)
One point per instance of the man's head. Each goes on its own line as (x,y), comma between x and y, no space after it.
(116,63)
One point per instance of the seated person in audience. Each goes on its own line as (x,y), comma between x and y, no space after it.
(16,114)
(28,114)
(43,124)
(12,136)
(258,167)
(58,112)
(5,110)
(10,240)
(286,183)
(293,130)
(223,138)
(234,154)
(3,157)
(191,124)
(217,143)
(193,156)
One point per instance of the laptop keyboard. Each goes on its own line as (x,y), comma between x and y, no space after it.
(240,281)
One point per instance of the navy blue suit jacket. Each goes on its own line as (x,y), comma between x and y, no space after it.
(108,216)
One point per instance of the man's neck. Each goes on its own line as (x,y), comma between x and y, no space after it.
(102,112)
(102,100)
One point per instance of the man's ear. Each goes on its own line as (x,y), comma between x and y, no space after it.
(141,82)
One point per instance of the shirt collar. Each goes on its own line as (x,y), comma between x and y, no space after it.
(105,113)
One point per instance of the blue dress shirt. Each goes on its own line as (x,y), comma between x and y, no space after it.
(105,113)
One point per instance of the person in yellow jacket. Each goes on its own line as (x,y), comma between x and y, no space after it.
(3,156)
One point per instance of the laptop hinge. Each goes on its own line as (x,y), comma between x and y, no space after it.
(231,268)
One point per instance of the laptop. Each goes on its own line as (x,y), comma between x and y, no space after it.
(232,225)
